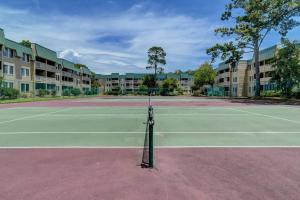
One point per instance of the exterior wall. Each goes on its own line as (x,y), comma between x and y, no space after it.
(17,79)
(243,78)
(85,81)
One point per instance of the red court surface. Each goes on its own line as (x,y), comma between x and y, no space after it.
(114,174)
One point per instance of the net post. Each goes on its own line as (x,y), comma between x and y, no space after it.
(151,137)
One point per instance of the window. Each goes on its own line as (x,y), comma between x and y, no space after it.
(7,52)
(261,75)
(8,69)
(24,72)
(8,84)
(261,63)
(26,57)
(24,87)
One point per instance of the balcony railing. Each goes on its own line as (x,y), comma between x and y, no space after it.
(67,83)
(44,66)
(40,78)
(45,79)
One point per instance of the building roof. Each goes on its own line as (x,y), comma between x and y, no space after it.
(1,36)
(186,75)
(222,66)
(267,53)
(69,65)
(20,49)
(46,53)
(86,70)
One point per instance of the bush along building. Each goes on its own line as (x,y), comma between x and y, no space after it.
(131,83)
(34,69)
(240,81)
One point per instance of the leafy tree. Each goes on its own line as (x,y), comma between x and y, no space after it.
(78,65)
(170,84)
(253,20)
(190,72)
(156,57)
(287,67)
(75,91)
(94,81)
(149,81)
(230,53)
(1,81)
(26,43)
(178,72)
(204,75)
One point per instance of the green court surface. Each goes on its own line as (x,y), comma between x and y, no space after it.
(174,126)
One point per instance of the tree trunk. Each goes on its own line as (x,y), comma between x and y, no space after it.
(233,65)
(257,70)
(155,73)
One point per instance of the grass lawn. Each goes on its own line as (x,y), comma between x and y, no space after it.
(34,99)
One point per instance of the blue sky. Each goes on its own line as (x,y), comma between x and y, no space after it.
(114,35)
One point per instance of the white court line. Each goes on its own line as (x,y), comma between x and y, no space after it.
(143,132)
(32,116)
(157,114)
(264,115)
(141,147)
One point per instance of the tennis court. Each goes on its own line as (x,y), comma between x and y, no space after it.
(205,149)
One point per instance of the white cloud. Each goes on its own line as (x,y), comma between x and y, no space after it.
(77,38)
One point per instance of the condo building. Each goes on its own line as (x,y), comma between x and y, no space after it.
(240,81)
(131,82)
(32,69)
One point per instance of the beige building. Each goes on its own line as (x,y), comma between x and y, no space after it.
(16,65)
(38,68)
(241,80)
(131,82)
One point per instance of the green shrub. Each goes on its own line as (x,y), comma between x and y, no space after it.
(179,91)
(24,96)
(271,93)
(9,93)
(53,93)
(296,92)
(42,92)
(88,92)
(75,92)
(196,93)
(66,93)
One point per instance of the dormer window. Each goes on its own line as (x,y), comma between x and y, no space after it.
(26,57)
(7,52)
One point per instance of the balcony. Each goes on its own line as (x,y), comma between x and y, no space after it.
(68,74)
(51,80)
(45,79)
(44,66)
(40,78)
(67,83)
